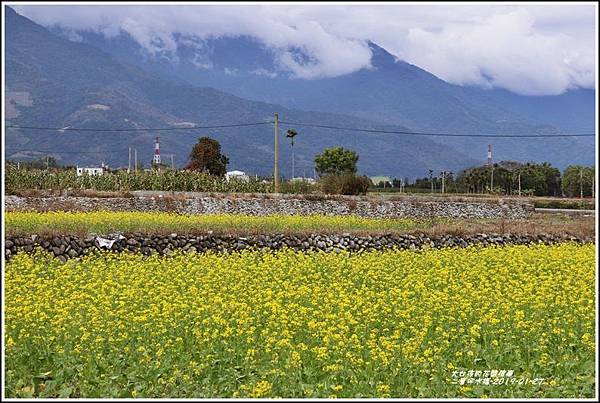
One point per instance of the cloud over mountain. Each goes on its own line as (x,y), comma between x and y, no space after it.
(532,50)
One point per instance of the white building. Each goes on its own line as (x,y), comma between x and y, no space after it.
(387,181)
(90,171)
(240,175)
(302,179)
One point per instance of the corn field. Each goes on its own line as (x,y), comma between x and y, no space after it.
(21,179)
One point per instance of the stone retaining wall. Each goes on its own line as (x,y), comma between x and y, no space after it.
(260,206)
(66,247)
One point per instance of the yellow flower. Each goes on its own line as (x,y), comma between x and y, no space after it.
(383,390)
(306,320)
(261,389)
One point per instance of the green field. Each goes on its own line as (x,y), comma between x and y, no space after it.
(33,179)
(286,324)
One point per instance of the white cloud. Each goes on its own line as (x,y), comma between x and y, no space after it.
(528,49)
(504,51)
(264,72)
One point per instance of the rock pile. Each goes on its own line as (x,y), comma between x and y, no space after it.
(66,247)
(257,206)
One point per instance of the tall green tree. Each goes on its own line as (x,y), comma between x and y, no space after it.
(473,180)
(578,179)
(206,157)
(552,180)
(336,161)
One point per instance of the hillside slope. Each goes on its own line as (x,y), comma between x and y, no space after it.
(391,92)
(53,82)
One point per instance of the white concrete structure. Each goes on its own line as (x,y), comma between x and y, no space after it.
(90,171)
(301,179)
(240,175)
(385,179)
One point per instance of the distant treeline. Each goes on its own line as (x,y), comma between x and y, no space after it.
(504,178)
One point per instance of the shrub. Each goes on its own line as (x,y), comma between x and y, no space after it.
(297,187)
(345,184)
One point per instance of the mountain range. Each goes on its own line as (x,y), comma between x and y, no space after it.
(95,82)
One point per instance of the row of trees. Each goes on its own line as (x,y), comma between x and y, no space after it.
(513,178)
(578,180)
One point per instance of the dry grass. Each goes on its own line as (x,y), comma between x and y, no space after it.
(71,192)
(35,193)
(580,226)
(99,193)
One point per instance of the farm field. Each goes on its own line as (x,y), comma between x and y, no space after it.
(21,179)
(286,324)
(102,222)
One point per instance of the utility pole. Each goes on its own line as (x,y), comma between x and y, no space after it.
(19,165)
(519,184)
(291,133)
(172,162)
(431,179)
(47,162)
(276,168)
(129,163)
(443,181)
(135,160)
(581,182)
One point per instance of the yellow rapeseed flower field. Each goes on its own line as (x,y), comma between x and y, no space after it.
(30,222)
(286,324)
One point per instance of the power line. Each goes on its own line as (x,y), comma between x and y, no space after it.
(118,151)
(66,152)
(154,129)
(356,129)
(62,152)
(435,134)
